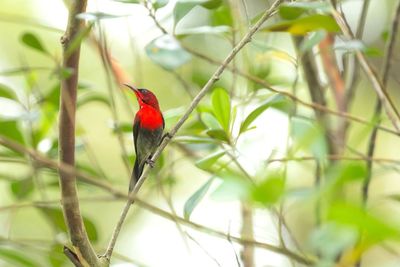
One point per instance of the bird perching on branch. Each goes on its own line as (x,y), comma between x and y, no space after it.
(148,128)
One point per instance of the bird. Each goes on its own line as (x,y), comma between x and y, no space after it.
(148,127)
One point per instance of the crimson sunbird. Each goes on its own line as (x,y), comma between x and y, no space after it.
(148,128)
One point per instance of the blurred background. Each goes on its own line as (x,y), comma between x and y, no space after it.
(204,174)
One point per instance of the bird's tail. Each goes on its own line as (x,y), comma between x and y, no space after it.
(136,173)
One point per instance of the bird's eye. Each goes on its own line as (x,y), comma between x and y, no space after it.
(144,91)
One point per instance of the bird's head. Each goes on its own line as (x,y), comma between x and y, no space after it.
(145,97)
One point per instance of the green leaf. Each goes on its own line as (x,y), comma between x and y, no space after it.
(270,190)
(233,187)
(7,92)
(304,25)
(56,256)
(331,239)
(17,258)
(157,4)
(23,188)
(11,130)
(294,10)
(312,40)
(218,134)
(374,229)
(167,52)
(222,16)
(309,136)
(221,107)
(183,7)
(195,199)
(207,162)
(56,217)
(210,121)
(259,110)
(32,41)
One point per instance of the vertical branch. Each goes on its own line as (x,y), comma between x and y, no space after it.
(81,245)
(247,254)
(378,106)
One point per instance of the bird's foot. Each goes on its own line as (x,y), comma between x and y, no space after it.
(150,162)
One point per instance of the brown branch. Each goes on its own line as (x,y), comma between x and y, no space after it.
(96,181)
(215,77)
(69,196)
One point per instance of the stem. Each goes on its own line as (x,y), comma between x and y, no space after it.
(82,248)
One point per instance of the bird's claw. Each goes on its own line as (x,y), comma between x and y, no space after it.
(150,162)
(166,135)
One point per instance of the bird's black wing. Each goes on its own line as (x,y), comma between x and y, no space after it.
(136,124)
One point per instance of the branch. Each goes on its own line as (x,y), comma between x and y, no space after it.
(69,196)
(215,77)
(315,106)
(386,101)
(378,106)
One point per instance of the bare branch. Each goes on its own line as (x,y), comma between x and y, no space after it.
(81,245)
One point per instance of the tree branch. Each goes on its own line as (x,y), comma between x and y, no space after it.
(69,196)
(215,77)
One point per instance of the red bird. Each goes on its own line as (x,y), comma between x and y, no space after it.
(148,128)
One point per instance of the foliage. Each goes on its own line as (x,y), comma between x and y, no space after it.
(223,154)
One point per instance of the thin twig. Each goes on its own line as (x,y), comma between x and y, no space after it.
(215,77)
(294,98)
(387,103)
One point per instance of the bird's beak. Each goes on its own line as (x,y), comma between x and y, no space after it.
(133,89)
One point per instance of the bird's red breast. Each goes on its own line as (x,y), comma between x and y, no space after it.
(149,117)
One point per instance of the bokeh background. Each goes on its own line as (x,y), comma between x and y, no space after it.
(31,224)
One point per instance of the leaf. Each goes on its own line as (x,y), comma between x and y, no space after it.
(259,110)
(21,189)
(56,217)
(32,41)
(56,256)
(7,92)
(233,187)
(194,140)
(270,190)
(95,16)
(210,121)
(221,107)
(294,10)
(312,40)
(218,134)
(374,229)
(203,30)
(304,25)
(17,258)
(309,136)
(167,52)
(330,239)
(11,130)
(183,7)
(128,1)
(207,162)
(157,4)
(222,16)
(195,199)
(11,110)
